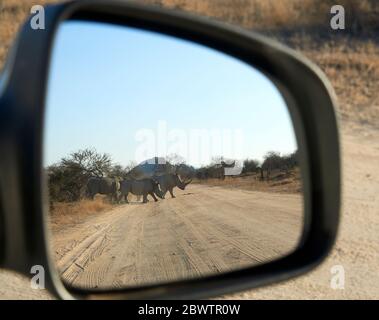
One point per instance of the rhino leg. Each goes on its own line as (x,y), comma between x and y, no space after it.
(153,195)
(90,195)
(172,193)
(114,198)
(145,198)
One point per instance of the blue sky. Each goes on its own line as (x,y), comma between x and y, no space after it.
(135,94)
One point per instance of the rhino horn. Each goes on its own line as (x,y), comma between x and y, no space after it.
(182,184)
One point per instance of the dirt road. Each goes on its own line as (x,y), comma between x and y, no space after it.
(204,230)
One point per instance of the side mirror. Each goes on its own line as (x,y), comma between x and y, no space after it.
(102,77)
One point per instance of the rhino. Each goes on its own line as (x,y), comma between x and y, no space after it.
(158,166)
(168,182)
(140,187)
(102,185)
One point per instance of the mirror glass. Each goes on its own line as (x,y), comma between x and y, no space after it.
(165,160)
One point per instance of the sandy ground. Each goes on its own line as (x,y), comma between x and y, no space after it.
(204,230)
(357,247)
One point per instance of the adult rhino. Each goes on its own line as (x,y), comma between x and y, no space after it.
(168,182)
(140,188)
(101,185)
(158,166)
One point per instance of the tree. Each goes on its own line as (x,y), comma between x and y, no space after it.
(272,160)
(216,160)
(290,160)
(250,165)
(88,161)
(117,172)
(68,178)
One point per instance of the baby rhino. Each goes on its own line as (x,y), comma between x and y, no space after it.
(140,188)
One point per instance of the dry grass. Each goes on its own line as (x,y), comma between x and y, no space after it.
(73,213)
(352,66)
(12,14)
(275,14)
(279,182)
